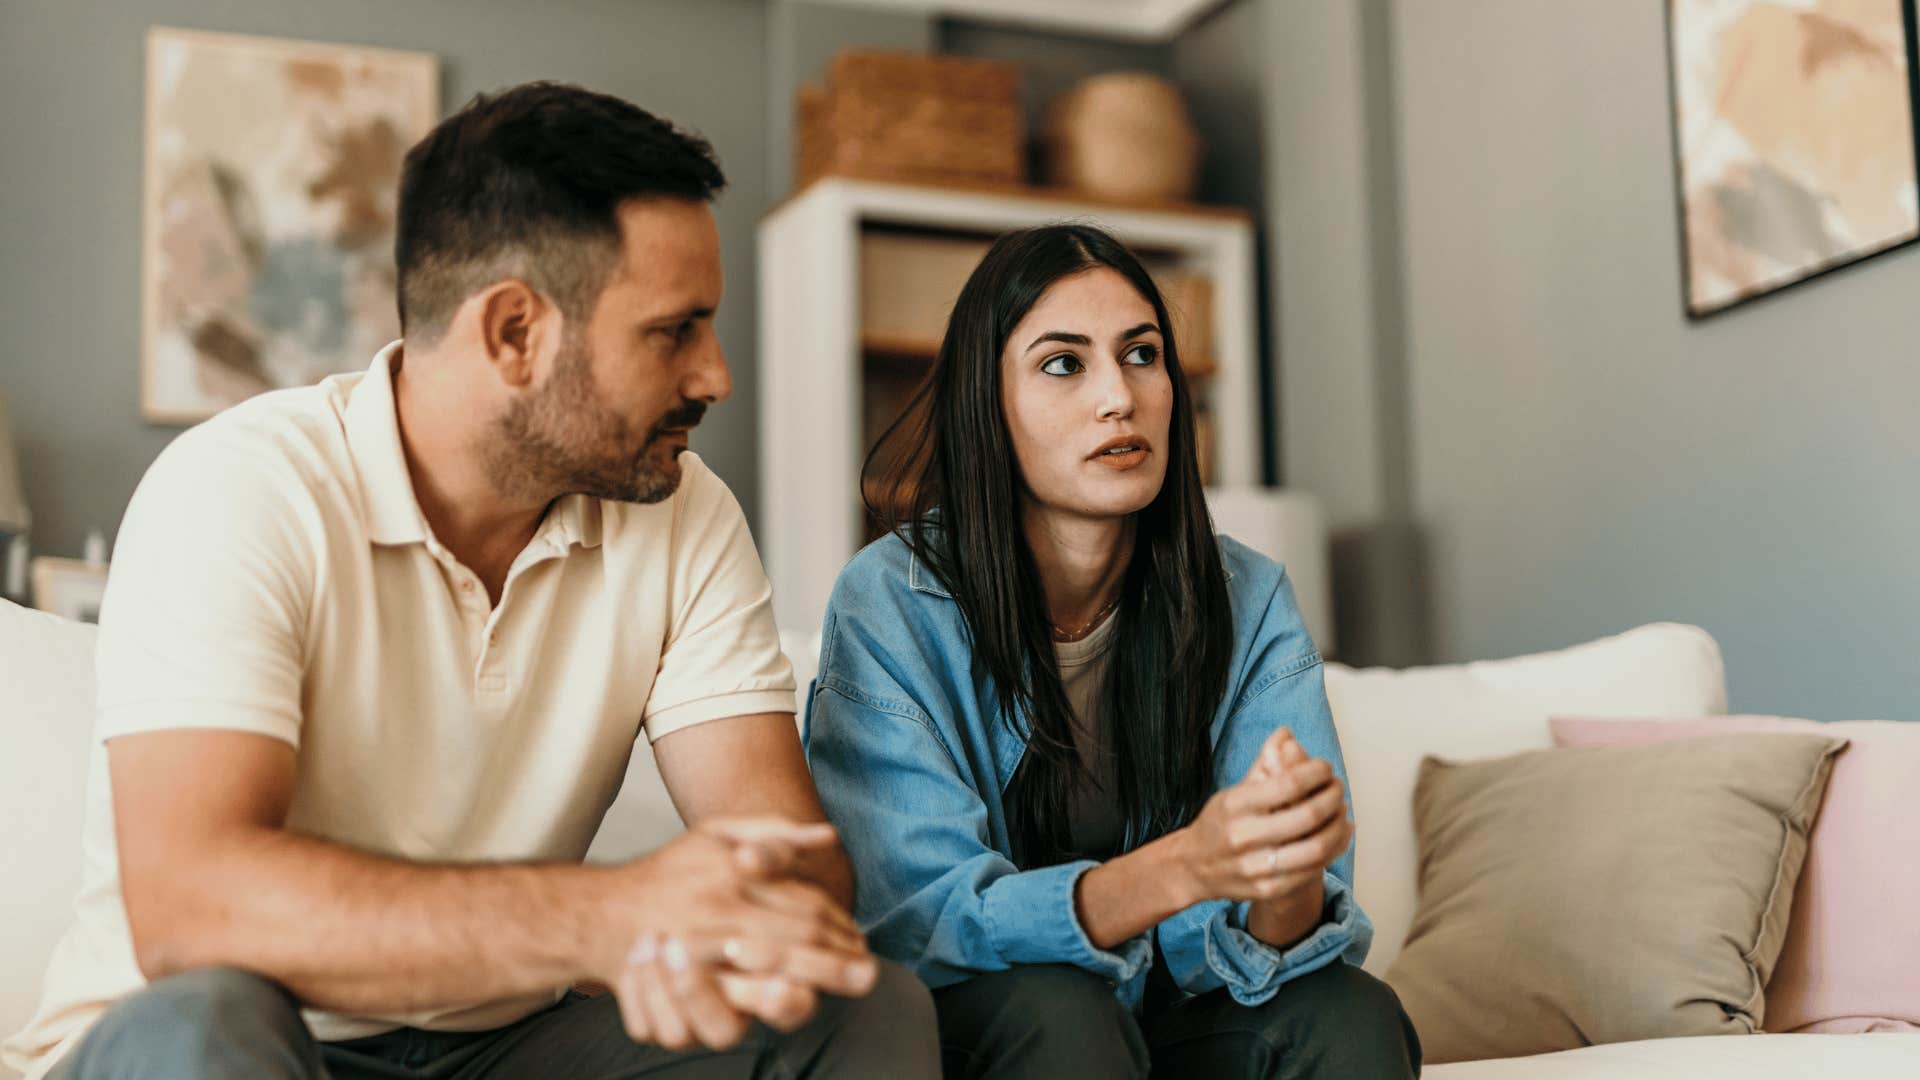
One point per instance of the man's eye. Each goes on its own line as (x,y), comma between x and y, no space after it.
(1064,364)
(678,333)
(1140,355)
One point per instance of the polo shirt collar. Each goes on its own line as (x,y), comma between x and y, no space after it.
(373,436)
(572,520)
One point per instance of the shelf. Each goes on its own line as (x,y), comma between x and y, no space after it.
(901,349)
(1067,197)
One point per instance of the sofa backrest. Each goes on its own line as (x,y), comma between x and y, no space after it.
(1388,720)
(46,728)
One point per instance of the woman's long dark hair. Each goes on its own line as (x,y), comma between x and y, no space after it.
(945,477)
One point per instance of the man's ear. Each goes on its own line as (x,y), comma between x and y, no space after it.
(513,319)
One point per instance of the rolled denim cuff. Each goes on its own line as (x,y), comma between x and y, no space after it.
(1030,919)
(1254,971)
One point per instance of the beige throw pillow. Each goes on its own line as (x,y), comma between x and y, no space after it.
(1572,897)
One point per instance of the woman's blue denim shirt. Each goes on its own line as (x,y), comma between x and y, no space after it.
(911,761)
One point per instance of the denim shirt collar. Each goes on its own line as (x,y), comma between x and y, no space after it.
(921,578)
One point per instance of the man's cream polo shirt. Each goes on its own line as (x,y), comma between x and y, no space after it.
(274,574)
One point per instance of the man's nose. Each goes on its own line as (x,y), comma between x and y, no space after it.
(710,380)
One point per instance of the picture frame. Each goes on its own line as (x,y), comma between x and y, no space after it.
(70,588)
(1794,142)
(272,173)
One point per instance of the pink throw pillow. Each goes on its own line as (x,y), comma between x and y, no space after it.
(1852,956)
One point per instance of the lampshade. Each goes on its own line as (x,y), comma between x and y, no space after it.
(1287,527)
(13,498)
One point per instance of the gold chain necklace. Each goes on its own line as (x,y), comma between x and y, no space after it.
(1069,637)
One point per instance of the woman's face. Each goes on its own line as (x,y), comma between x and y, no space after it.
(1087,397)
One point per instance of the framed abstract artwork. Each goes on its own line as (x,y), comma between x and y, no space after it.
(272,179)
(1794,140)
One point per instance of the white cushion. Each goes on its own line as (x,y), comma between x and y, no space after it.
(1713,1057)
(1388,720)
(46,728)
(643,817)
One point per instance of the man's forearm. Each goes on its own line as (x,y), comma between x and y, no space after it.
(353,932)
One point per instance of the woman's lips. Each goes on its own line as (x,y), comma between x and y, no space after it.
(1122,461)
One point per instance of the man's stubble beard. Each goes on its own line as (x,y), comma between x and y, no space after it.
(562,440)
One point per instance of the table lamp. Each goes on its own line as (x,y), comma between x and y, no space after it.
(14,517)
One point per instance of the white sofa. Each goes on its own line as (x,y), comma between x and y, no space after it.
(1387,721)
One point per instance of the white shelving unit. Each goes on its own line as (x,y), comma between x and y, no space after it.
(812,360)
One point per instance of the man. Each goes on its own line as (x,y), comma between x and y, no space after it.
(374,653)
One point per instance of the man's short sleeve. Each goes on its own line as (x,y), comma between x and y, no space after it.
(722,655)
(202,625)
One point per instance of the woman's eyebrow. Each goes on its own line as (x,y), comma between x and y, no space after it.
(1061,336)
(1065,338)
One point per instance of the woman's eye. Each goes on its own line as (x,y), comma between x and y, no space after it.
(1064,364)
(1140,355)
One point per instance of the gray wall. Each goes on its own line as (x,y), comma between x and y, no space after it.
(72,77)
(803,39)
(1294,98)
(1585,459)
(1471,263)
(1483,367)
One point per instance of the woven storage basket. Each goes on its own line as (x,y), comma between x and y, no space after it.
(1124,135)
(910,116)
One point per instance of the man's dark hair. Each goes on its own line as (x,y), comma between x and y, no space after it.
(526,183)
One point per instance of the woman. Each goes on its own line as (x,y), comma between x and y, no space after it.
(1077,746)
